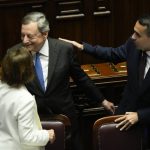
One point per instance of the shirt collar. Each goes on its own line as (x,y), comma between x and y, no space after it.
(148,53)
(44,50)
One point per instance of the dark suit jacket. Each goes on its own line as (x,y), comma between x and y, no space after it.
(58,96)
(135,97)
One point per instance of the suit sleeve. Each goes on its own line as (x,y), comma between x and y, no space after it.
(28,130)
(108,54)
(143,115)
(82,80)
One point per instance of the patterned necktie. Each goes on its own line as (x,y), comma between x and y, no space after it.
(39,71)
(142,67)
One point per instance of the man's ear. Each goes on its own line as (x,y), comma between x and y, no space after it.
(45,34)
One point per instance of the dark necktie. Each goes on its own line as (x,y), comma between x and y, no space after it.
(39,71)
(142,67)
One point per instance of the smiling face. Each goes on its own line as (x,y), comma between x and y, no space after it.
(141,39)
(31,37)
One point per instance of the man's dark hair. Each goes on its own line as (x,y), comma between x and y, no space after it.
(145,21)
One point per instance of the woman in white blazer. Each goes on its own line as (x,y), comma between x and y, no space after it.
(20,127)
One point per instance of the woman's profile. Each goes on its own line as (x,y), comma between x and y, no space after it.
(20,127)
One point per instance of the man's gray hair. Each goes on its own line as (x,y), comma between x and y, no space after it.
(40,18)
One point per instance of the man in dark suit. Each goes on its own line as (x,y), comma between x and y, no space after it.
(58,63)
(135,103)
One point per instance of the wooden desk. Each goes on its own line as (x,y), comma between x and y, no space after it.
(110,79)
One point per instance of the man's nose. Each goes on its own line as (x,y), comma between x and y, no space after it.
(25,39)
(133,36)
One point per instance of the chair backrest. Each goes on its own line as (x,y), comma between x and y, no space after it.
(106,136)
(59,123)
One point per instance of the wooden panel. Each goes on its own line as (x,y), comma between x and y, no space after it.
(98,26)
(105,22)
(69,9)
(102,7)
(105,76)
(125,14)
(105,70)
(80,20)
(12,3)
(67,20)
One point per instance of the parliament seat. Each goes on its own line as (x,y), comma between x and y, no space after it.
(60,123)
(107,137)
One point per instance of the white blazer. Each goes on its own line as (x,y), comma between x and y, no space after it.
(19,129)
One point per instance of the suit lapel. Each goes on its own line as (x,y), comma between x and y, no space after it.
(35,85)
(52,58)
(134,68)
(146,82)
(51,65)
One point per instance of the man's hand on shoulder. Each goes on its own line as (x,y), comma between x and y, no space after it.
(74,43)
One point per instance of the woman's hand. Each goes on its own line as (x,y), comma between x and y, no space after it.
(51,136)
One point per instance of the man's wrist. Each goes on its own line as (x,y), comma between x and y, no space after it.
(82,47)
(104,102)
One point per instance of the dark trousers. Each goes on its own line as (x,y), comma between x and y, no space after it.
(75,138)
(147,138)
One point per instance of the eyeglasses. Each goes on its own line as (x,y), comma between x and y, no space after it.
(30,37)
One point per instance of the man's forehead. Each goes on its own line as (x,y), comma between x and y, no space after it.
(139,28)
(31,27)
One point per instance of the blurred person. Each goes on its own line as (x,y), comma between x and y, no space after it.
(20,127)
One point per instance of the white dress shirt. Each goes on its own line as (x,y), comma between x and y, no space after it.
(147,63)
(44,56)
